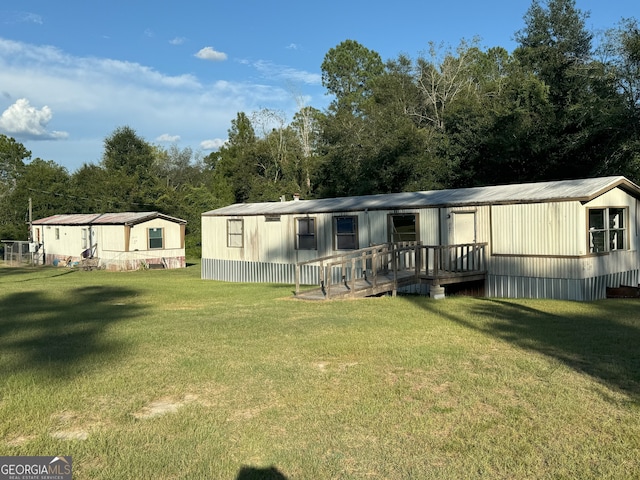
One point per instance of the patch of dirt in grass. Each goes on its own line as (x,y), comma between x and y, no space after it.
(73,426)
(442,388)
(416,378)
(163,406)
(70,435)
(324,366)
(19,440)
(251,412)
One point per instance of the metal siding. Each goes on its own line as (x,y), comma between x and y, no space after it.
(429,226)
(256,272)
(539,229)
(579,289)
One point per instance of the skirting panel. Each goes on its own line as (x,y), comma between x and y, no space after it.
(257,272)
(585,289)
(264,272)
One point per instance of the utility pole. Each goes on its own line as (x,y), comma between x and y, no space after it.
(30,236)
(30,219)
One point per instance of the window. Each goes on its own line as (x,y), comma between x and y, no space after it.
(85,241)
(306,233)
(57,233)
(403,228)
(235,229)
(607,229)
(345,233)
(155,238)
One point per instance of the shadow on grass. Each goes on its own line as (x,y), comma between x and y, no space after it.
(62,336)
(10,274)
(252,473)
(602,343)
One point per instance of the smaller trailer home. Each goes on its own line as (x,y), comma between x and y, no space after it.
(567,239)
(114,241)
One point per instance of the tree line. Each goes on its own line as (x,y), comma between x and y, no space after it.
(565,103)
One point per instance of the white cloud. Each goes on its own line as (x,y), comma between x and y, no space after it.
(208,53)
(165,137)
(91,97)
(272,70)
(25,121)
(22,17)
(177,41)
(212,145)
(292,46)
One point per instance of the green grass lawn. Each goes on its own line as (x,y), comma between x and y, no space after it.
(158,374)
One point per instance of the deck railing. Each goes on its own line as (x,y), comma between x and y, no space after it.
(410,260)
(463,258)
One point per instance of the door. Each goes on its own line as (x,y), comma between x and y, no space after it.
(464,227)
(464,233)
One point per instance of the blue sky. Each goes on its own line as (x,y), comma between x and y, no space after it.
(72,71)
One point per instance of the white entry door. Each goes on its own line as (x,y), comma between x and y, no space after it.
(464,227)
(464,232)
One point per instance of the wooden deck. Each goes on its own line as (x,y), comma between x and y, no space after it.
(386,268)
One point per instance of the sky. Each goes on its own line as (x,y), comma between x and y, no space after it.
(178,73)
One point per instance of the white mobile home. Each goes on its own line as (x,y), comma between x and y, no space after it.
(565,239)
(121,241)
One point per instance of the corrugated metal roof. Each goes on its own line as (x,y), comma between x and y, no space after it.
(557,191)
(121,218)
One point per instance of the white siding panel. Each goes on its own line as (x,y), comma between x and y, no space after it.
(539,229)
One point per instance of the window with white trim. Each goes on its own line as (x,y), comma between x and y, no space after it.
(607,229)
(235,233)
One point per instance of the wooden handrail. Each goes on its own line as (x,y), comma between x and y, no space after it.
(395,257)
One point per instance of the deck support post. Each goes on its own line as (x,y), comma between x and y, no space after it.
(436,292)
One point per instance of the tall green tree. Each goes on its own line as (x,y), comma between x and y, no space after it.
(94,191)
(13,158)
(620,54)
(12,163)
(47,185)
(132,183)
(557,47)
(233,165)
(347,72)
(497,134)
